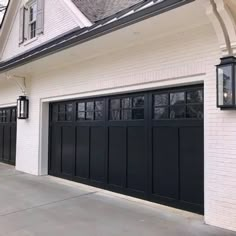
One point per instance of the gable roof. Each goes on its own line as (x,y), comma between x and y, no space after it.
(96,10)
(132,15)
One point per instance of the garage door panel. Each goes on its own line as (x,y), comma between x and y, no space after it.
(55,148)
(1,142)
(136,169)
(97,154)
(191,162)
(13,146)
(7,143)
(165,162)
(117,156)
(82,152)
(68,150)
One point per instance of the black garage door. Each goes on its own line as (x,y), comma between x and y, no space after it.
(8,135)
(148,145)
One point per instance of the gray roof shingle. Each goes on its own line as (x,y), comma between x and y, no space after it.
(96,10)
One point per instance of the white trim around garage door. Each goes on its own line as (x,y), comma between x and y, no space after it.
(44,107)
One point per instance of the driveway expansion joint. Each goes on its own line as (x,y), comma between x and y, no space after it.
(47,204)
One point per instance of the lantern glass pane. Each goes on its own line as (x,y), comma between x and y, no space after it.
(18,108)
(235,83)
(22,109)
(225,88)
(25,109)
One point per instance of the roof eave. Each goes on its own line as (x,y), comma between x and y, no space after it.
(49,48)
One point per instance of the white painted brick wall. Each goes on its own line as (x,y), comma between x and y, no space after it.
(181,58)
(8,92)
(58,20)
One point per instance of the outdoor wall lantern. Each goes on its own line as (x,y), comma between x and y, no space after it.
(226,82)
(22,108)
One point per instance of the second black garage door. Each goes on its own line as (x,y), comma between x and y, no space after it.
(8,135)
(148,145)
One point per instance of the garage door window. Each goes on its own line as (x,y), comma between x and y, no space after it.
(3,116)
(178,105)
(13,115)
(91,110)
(127,108)
(8,115)
(161,106)
(65,112)
(195,104)
(62,112)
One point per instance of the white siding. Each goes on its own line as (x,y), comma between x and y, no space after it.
(185,57)
(58,20)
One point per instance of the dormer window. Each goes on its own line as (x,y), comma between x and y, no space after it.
(31,20)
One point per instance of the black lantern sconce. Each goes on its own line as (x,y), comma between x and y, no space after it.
(226,82)
(22,108)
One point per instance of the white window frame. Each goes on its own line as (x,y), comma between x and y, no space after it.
(29,23)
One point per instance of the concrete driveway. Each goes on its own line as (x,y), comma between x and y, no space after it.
(47,206)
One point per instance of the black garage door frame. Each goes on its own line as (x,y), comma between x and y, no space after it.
(8,123)
(170,130)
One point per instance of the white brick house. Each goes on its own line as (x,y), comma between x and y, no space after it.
(77,56)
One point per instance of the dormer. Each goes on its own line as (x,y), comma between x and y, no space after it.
(31,23)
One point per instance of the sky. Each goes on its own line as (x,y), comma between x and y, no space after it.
(5,3)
